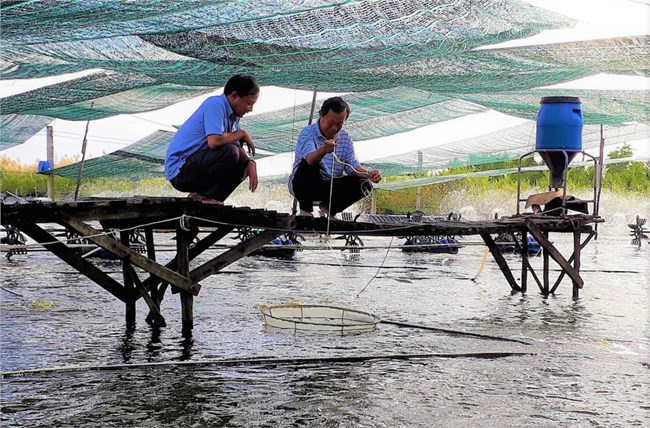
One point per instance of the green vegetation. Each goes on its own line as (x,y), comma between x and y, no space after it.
(633,177)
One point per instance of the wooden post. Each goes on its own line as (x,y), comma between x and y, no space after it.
(373,201)
(524,261)
(128,282)
(156,293)
(49,132)
(546,274)
(576,261)
(183,268)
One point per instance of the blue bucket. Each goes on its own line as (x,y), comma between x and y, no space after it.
(559,124)
(44,166)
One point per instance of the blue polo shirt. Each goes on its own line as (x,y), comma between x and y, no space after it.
(214,116)
(311,139)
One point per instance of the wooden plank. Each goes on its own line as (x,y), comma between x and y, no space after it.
(241,250)
(554,253)
(126,253)
(69,256)
(121,214)
(501,261)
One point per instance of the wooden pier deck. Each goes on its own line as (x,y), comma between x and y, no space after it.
(186,219)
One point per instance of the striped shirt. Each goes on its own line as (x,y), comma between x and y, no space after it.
(311,139)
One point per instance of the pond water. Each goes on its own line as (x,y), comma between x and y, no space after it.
(586,364)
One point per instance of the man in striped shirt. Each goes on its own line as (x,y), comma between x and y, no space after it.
(325,160)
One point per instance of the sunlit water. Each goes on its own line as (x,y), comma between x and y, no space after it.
(587,363)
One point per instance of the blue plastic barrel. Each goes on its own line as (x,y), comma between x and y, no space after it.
(559,124)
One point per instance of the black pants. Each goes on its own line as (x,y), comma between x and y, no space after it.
(213,173)
(308,186)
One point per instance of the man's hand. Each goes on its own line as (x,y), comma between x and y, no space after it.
(246,139)
(251,172)
(328,146)
(374,176)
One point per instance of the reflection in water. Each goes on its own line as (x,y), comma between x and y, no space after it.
(127,346)
(154,344)
(187,345)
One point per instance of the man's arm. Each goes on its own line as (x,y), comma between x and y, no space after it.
(216,140)
(317,156)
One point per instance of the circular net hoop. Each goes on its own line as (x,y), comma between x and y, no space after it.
(318,318)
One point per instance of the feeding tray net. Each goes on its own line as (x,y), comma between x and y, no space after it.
(318,318)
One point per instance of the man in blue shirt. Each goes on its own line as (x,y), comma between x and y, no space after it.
(206,157)
(325,150)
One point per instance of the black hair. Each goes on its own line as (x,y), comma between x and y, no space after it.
(335,104)
(244,85)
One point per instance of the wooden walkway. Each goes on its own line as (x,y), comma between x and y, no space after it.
(187,218)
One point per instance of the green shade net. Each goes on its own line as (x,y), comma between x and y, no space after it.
(16,129)
(142,159)
(598,106)
(407,63)
(503,145)
(374,114)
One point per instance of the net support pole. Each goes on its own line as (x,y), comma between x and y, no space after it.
(83,159)
(49,132)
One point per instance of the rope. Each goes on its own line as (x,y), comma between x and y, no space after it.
(329,206)
(480,269)
(378,269)
(108,233)
(264,361)
(12,292)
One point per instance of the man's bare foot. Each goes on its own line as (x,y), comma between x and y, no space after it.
(304,213)
(211,201)
(198,197)
(324,209)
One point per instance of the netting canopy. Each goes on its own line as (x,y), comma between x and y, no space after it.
(406,63)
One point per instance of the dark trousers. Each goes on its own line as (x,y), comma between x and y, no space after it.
(213,173)
(308,186)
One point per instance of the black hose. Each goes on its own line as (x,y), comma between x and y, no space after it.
(453,332)
(265,361)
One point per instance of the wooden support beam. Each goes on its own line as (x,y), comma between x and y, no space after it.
(128,282)
(554,253)
(591,235)
(69,256)
(526,262)
(194,252)
(154,307)
(501,261)
(126,253)
(241,250)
